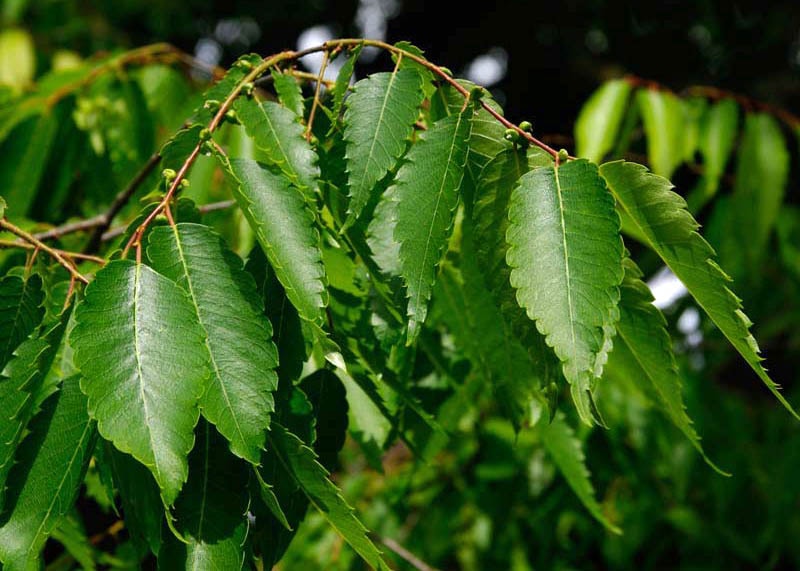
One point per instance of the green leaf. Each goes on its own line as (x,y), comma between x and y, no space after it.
(220,91)
(144,363)
(238,396)
(21,311)
(276,131)
(342,84)
(644,351)
(300,461)
(565,449)
(599,121)
(566,258)
(378,121)
(284,227)
(3,207)
(327,395)
(138,492)
(210,510)
(426,196)
(663,120)
(17,58)
(45,482)
(289,92)
(762,174)
(23,388)
(717,139)
(661,217)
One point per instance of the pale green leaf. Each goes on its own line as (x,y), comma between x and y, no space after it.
(45,482)
(289,92)
(566,258)
(644,352)
(21,311)
(378,121)
(599,121)
(717,138)
(426,197)
(145,365)
(238,397)
(210,510)
(566,451)
(277,131)
(17,58)
(284,227)
(663,120)
(671,231)
(300,461)
(3,207)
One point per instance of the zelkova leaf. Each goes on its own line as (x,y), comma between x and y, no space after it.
(20,312)
(600,118)
(661,217)
(566,451)
(145,365)
(284,227)
(300,461)
(23,389)
(238,396)
(663,120)
(762,174)
(289,92)
(45,482)
(378,121)
(426,196)
(343,79)
(643,351)
(566,258)
(210,511)
(717,138)
(276,131)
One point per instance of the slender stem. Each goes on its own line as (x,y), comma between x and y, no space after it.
(120,201)
(71,228)
(409,557)
(57,255)
(315,104)
(67,254)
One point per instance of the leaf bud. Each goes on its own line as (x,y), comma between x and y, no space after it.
(475,94)
(526,126)
(169,175)
(248,88)
(563,156)
(212,104)
(244,64)
(511,135)
(205,135)
(232,117)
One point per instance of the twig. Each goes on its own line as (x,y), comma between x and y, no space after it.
(70,228)
(203,209)
(6,225)
(409,557)
(67,254)
(315,104)
(119,202)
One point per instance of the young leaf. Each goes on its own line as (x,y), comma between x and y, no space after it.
(426,196)
(565,449)
(238,397)
(284,228)
(379,118)
(21,311)
(644,351)
(276,131)
(289,93)
(144,363)
(661,217)
(342,84)
(210,510)
(663,120)
(300,461)
(3,207)
(45,482)
(761,177)
(600,118)
(717,138)
(566,258)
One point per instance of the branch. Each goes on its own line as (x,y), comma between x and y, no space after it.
(39,245)
(119,202)
(409,557)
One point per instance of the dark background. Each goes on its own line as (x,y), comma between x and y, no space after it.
(558,52)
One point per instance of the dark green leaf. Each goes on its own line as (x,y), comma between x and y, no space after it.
(21,311)
(289,93)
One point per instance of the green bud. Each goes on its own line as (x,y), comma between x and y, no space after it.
(248,89)
(244,65)
(185,183)
(205,135)
(475,94)
(232,117)
(526,126)
(563,156)
(212,104)
(207,148)
(511,135)
(314,140)
(446,70)
(169,175)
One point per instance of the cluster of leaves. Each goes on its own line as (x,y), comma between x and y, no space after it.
(408,254)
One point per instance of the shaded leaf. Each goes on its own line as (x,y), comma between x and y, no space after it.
(600,118)
(21,311)
(663,120)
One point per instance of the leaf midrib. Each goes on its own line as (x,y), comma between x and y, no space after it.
(566,260)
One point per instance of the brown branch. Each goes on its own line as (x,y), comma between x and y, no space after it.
(315,104)
(203,209)
(119,202)
(409,557)
(39,245)
(67,254)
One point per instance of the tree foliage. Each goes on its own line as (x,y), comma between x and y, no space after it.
(398,262)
